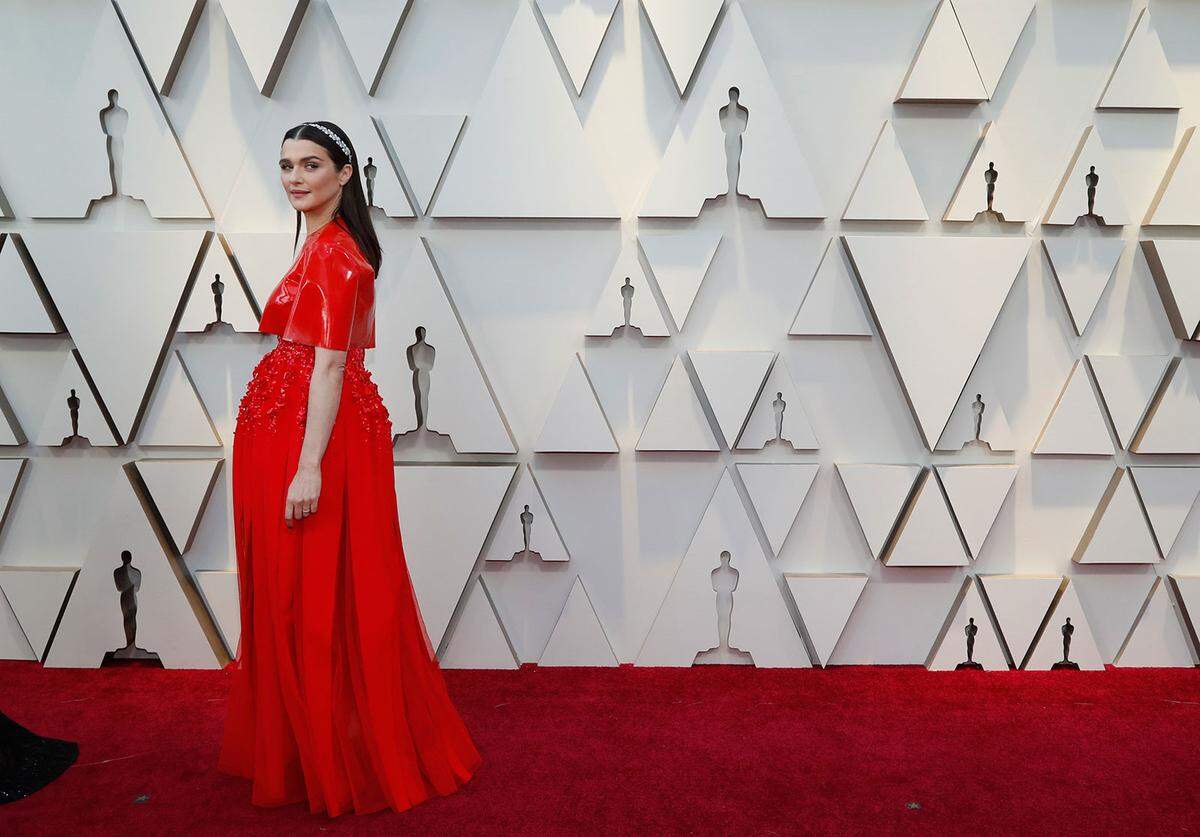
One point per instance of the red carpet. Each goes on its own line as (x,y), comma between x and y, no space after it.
(709,750)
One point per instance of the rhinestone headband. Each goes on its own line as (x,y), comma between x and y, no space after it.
(341,144)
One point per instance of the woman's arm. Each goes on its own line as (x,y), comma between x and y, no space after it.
(324,395)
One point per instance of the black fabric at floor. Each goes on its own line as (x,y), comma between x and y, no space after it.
(29,762)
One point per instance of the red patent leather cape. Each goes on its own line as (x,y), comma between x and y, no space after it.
(328,297)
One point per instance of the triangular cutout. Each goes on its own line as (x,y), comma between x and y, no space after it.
(577,27)
(967,639)
(777,490)
(576,422)
(976,493)
(217,275)
(778,415)
(1141,78)
(627,288)
(423,142)
(1075,424)
(1119,532)
(943,69)
(1020,604)
(180,490)
(479,639)
(1127,383)
(1083,264)
(524,153)
(911,282)
(978,420)
(926,534)
(526,514)
(177,416)
(264,31)
(886,190)
(878,493)
(830,307)
(677,420)
(825,603)
(682,28)
(57,427)
(369,30)
(1089,187)
(680,261)
(1065,639)
(992,164)
(578,638)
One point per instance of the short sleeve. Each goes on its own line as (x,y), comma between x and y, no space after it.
(333,303)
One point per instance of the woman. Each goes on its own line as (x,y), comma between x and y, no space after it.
(337,696)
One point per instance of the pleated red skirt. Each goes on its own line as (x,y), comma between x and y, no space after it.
(337,696)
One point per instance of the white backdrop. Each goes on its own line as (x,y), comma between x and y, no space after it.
(526,288)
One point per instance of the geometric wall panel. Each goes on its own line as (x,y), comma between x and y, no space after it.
(967,639)
(1141,78)
(160,31)
(11,471)
(681,29)
(992,30)
(1020,604)
(423,142)
(56,424)
(578,638)
(677,420)
(576,422)
(825,603)
(176,415)
(160,605)
(36,596)
(496,173)
(1082,266)
(778,415)
(217,279)
(117,293)
(732,381)
(1090,164)
(1119,532)
(878,493)
(679,262)
(23,311)
(1127,383)
(414,314)
(370,29)
(1175,202)
(1066,636)
(1186,590)
(73,57)
(830,306)
(1011,197)
(479,639)
(724,555)
(262,259)
(219,589)
(577,29)
(973,407)
(445,514)
(524,513)
(1075,424)
(264,31)
(629,286)
(771,167)
(976,493)
(1175,266)
(886,190)
(1173,421)
(926,535)
(910,284)
(1168,494)
(943,69)
(1157,637)
(777,490)
(180,490)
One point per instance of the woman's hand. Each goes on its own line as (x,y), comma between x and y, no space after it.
(302,494)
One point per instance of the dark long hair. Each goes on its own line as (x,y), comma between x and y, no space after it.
(352,208)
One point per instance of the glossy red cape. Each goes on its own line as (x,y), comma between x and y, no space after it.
(328,297)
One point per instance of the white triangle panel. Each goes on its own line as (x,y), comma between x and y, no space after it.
(677,420)
(830,306)
(479,639)
(1175,201)
(1127,383)
(11,471)
(786,421)
(1142,78)
(578,638)
(1175,266)
(36,596)
(219,589)
(423,142)
(976,493)
(55,427)
(1012,199)
(777,490)
(1076,425)
(681,28)
(524,153)
(943,69)
(825,603)
(1049,646)
(1157,638)
(687,622)
(926,535)
(161,31)
(992,30)
(1070,202)
(369,28)
(1083,265)
(578,27)
(264,31)
(1173,425)
(968,622)
(878,494)
(576,422)
(23,311)
(886,190)
(1168,493)
(264,259)
(1020,604)
(644,314)
(544,537)
(680,261)
(994,430)
(732,381)
(176,415)
(180,490)
(1119,532)
(200,310)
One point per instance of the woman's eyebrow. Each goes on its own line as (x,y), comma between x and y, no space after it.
(302,159)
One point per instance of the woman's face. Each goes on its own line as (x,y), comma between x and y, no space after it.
(308,175)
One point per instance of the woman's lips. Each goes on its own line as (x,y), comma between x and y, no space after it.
(299,193)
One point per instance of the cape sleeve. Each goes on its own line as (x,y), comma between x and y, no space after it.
(333,303)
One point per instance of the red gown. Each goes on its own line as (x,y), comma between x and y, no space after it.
(337,696)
